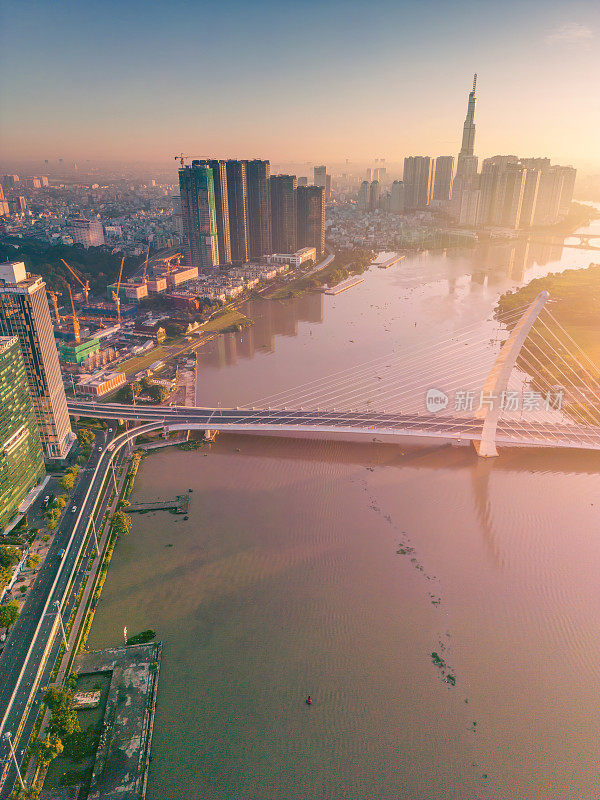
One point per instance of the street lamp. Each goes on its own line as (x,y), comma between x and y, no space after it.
(62,627)
(14,757)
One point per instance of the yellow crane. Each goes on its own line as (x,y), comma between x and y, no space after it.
(85,286)
(75,320)
(115,295)
(54,295)
(167,261)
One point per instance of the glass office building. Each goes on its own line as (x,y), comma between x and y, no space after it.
(21,455)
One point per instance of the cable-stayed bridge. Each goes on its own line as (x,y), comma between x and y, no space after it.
(530,384)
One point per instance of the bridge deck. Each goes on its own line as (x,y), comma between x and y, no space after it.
(368,423)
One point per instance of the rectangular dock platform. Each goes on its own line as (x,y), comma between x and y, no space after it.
(179,505)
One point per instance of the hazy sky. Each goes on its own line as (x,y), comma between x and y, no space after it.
(312,79)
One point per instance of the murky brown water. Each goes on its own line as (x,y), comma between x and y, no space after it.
(337,569)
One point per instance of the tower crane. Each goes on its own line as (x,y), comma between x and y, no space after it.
(181,158)
(167,261)
(75,320)
(85,286)
(54,295)
(115,295)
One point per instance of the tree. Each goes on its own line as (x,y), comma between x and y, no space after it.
(9,557)
(121,523)
(67,481)
(158,393)
(33,561)
(27,793)
(172,330)
(9,614)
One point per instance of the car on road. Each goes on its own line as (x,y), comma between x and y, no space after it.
(99,447)
(61,554)
(74,509)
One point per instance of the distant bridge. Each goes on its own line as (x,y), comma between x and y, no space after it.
(585,241)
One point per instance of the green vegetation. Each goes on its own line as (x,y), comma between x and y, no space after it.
(158,393)
(579,215)
(27,793)
(33,562)
(9,614)
(86,440)
(95,264)
(53,512)
(130,477)
(575,299)
(63,724)
(138,363)
(345,263)
(142,638)
(238,326)
(67,482)
(223,319)
(9,558)
(90,422)
(121,524)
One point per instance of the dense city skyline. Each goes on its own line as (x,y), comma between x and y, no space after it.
(145,96)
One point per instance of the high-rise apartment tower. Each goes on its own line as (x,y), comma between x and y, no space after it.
(24,313)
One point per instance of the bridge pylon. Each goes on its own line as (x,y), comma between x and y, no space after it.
(497,380)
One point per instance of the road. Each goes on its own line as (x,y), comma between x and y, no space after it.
(34,632)
(368,423)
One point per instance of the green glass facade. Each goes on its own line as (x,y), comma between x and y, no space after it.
(76,353)
(198,215)
(21,455)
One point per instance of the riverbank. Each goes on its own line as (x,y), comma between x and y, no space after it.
(574,303)
(344,264)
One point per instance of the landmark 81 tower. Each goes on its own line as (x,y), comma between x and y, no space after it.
(468,139)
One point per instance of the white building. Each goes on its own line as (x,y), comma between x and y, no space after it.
(294,259)
(87,233)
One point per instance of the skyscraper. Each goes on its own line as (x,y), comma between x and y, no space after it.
(319,175)
(364,194)
(566,195)
(444,174)
(237,194)
(21,455)
(284,213)
(418,177)
(323,179)
(219,171)
(397,198)
(468,138)
(530,195)
(466,168)
(509,197)
(311,217)
(24,313)
(374,193)
(198,215)
(259,208)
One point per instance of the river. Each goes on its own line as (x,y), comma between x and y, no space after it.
(338,570)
